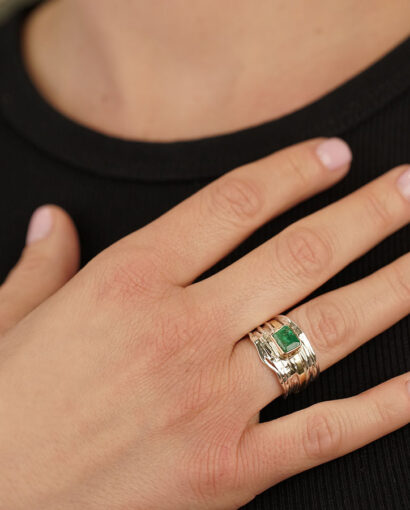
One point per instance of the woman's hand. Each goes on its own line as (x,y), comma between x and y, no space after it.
(132,387)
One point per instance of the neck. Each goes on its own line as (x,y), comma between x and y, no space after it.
(164,70)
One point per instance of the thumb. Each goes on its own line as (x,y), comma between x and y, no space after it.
(49,259)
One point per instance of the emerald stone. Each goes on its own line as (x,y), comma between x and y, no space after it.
(286,339)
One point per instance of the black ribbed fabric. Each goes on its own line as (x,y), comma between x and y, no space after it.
(112,187)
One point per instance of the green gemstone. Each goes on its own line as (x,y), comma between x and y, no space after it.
(286,339)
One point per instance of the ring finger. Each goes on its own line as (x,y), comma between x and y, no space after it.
(336,324)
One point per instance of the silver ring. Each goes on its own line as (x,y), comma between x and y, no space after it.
(285,349)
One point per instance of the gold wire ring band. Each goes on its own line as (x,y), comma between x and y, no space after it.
(285,349)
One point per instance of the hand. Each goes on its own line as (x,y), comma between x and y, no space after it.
(132,387)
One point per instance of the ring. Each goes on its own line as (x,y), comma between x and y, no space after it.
(285,349)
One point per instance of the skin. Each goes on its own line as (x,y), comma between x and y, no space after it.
(161,70)
(139,389)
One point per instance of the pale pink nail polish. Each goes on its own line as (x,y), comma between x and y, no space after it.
(334,153)
(403,183)
(40,224)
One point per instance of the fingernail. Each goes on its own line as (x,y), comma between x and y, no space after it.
(408,386)
(40,225)
(403,183)
(334,153)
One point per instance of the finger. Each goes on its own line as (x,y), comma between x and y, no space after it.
(282,271)
(198,232)
(49,259)
(273,451)
(336,324)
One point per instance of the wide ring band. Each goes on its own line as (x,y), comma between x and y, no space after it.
(285,349)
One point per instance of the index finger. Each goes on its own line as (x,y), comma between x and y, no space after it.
(194,235)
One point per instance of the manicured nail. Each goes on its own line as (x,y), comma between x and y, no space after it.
(334,153)
(408,386)
(40,224)
(403,183)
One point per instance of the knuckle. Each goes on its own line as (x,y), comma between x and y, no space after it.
(180,326)
(32,260)
(234,200)
(127,278)
(378,208)
(303,252)
(385,412)
(298,166)
(328,324)
(212,465)
(322,435)
(174,331)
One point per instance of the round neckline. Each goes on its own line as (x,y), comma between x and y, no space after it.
(25,109)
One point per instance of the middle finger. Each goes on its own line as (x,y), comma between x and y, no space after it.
(287,268)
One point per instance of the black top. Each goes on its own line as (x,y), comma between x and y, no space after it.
(112,187)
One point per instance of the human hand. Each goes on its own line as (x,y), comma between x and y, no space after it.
(133,387)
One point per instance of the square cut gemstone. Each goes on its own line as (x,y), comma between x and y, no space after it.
(286,339)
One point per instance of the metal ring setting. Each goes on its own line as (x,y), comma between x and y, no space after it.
(285,349)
